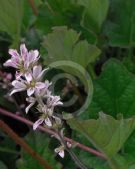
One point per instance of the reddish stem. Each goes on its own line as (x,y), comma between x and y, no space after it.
(24,145)
(33,6)
(28,122)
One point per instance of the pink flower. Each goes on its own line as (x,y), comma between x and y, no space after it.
(24,60)
(53,101)
(44,92)
(38,73)
(18,86)
(50,103)
(32,82)
(15,59)
(45,120)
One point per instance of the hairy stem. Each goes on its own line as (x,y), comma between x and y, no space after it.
(72,154)
(24,145)
(28,122)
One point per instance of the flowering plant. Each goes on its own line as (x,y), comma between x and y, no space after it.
(29,77)
(77,84)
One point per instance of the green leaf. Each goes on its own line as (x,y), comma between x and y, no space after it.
(106,133)
(40,143)
(66,52)
(95,12)
(58,13)
(8,151)
(132,166)
(121,27)
(129,63)
(93,162)
(11,18)
(2,165)
(119,162)
(114,92)
(28,15)
(129,149)
(64,44)
(125,161)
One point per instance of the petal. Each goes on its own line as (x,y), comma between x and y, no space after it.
(35,54)
(23,50)
(56,98)
(48,122)
(13,53)
(61,153)
(31,99)
(54,101)
(40,85)
(28,107)
(57,120)
(44,92)
(39,77)
(10,63)
(29,57)
(30,91)
(14,82)
(18,75)
(58,103)
(36,71)
(48,93)
(16,90)
(18,85)
(37,123)
(28,77)
(47,84)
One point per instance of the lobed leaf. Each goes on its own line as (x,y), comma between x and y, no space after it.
(64,44)
(95,13)
(11,18)
(114,91)
(106,133)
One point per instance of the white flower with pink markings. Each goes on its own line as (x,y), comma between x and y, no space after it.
(60,151)
(31,82)
(23,61)
(29,77)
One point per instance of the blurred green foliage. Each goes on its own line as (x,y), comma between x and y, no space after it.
(98,35)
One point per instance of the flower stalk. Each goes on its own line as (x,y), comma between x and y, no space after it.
(50,132)
(72,154)
(29,78)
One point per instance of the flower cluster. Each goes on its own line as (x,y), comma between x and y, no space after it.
(29,75)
